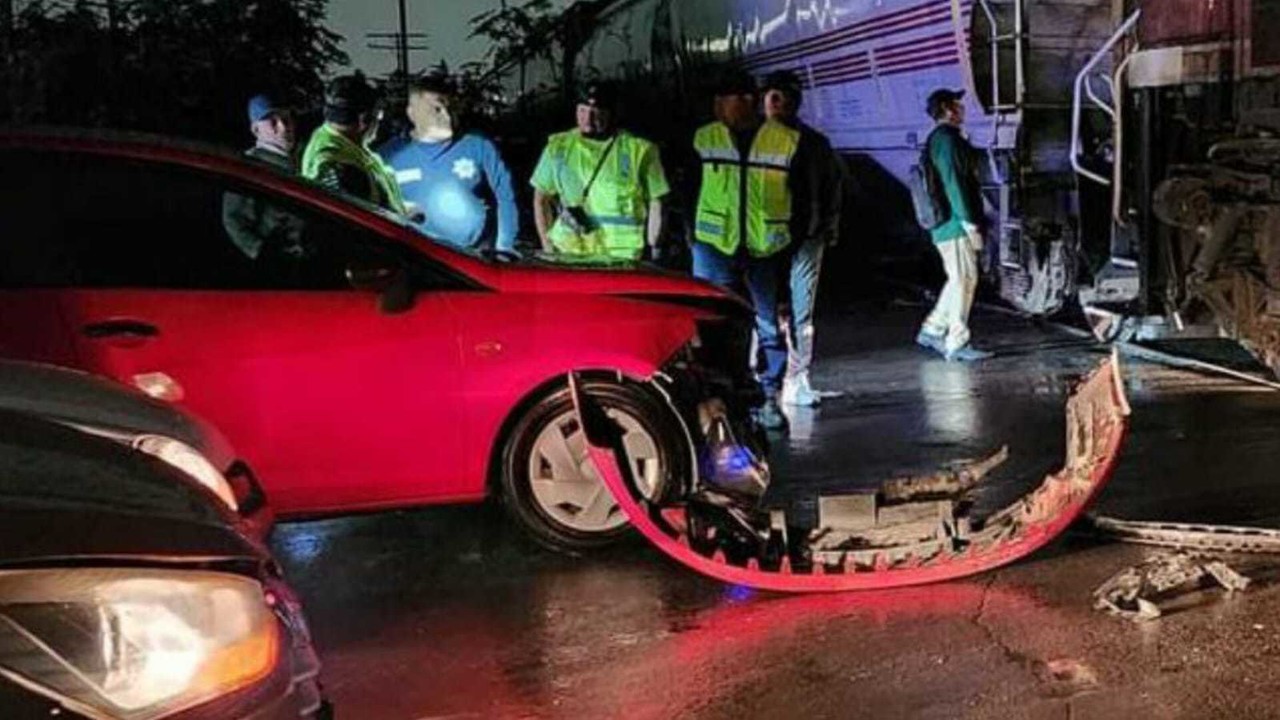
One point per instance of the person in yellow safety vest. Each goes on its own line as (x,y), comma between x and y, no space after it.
(597,189)
(751,167)
(338,156)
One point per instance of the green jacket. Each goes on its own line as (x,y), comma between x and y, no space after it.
(956,162)
(329,153)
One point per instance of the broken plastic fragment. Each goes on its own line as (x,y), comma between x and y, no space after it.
(1135,592)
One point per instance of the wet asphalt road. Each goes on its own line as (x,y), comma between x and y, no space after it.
(449,612)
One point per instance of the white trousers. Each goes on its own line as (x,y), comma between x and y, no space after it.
(950,316)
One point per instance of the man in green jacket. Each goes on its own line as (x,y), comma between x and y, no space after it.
(959,239)
(338,155)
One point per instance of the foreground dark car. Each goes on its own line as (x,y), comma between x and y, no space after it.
(128,590)
(104,407)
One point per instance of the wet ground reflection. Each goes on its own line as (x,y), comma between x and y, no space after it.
(449,611)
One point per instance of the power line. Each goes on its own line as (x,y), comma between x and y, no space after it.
(401,43)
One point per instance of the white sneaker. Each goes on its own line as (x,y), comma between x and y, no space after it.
(797,392)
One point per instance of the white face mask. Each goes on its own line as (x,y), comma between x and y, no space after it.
(435,133)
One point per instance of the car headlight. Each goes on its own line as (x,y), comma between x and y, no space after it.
(190,461)
(134,643)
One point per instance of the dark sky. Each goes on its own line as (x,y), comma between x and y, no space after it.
(444,21)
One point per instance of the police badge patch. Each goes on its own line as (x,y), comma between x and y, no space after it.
(464,168)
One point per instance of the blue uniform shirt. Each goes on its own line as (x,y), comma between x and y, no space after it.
(449,181)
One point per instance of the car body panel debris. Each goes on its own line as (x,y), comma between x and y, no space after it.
(908,533)
(1135,592)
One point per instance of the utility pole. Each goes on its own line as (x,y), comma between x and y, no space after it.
(401,44)
(402,59)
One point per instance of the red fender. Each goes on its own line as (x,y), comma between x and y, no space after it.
(1097,418)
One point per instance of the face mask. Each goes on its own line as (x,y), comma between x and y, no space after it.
(436,132)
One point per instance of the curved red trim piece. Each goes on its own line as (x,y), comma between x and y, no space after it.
(1097,421)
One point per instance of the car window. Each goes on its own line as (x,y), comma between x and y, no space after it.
(80,220)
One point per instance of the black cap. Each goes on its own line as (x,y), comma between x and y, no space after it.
(599,93)
(734,82)
(785,81)
(348,97)
(938,100)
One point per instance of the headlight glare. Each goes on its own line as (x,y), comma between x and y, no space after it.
(190,461)
(135,644)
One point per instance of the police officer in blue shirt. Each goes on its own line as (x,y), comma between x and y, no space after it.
(452,179)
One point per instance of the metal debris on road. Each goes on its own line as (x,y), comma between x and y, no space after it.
(1189,536)
(1135,592)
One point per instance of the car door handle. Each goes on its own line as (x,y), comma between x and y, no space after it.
(120,329)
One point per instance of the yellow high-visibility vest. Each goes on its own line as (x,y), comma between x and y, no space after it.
(615,201)
(745,197)
(328,145)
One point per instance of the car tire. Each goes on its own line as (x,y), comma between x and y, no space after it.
(563,510)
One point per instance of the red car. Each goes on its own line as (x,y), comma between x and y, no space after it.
(356,364)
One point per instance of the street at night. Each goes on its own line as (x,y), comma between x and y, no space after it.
(453,613)
(415,359)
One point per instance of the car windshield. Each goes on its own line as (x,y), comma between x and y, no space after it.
(392,217)
(487,255)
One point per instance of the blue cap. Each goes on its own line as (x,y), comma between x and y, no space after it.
(263,106)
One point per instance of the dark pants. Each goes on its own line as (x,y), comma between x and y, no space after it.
(759,278)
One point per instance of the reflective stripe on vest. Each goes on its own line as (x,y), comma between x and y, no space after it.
(615,203)
(330,146)
(722,210)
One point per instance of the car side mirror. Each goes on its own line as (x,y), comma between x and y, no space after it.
(386,278)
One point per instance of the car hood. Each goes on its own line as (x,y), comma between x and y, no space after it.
(638,281)
(79,398)
(628,278)
(65,494)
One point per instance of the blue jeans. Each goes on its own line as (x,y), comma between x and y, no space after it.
(806,266)
(759,277)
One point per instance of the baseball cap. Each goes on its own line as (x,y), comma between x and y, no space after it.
(263,106)
(599,93)
(350,96)
(734,82)
(939,99)
(784,80)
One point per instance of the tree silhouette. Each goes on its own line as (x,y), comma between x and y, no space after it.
(181,67)
(520,34)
